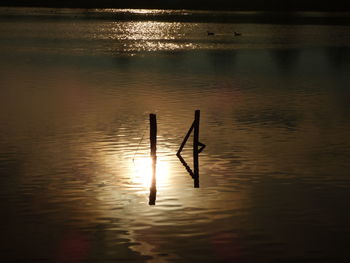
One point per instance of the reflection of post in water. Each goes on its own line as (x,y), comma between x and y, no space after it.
(153,140)
(196,151)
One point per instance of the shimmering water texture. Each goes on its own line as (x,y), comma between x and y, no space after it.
(77,89)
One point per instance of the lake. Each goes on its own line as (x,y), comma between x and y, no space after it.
(77,88)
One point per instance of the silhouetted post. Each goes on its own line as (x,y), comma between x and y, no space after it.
(195,147)
(153,140)
(196,151)
(153,135)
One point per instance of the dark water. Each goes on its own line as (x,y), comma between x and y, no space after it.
(74,140)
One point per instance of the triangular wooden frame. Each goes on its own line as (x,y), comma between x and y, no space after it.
(198,147)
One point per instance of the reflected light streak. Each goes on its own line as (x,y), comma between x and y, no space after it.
(135,11)
(142,36)
(149,30)
(143,171)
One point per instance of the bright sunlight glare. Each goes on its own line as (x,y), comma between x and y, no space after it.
(143,171)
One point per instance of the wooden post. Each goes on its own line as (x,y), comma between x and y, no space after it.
(195,147)
(153,135)
(196,150)
(153,140)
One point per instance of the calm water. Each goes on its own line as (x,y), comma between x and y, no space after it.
(76,91)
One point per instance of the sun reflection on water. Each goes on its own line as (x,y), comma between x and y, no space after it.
(147,36)
(142,174)
(147,30)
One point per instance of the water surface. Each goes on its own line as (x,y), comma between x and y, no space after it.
(74,139)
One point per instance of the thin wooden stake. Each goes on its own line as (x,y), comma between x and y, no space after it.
(153,140)
(153,134)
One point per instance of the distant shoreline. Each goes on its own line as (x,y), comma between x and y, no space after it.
(171,15)
(217,5)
